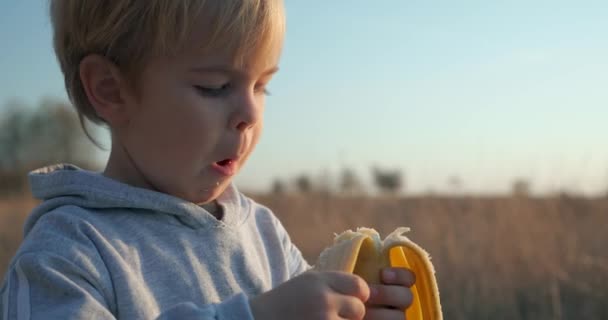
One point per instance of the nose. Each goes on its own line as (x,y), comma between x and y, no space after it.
(247,113)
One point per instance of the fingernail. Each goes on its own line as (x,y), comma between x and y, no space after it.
(389,275)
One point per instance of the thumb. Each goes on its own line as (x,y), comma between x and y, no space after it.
(348,284)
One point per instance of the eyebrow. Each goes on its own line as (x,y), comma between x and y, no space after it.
(230,70)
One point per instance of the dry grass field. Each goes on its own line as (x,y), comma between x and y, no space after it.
(13,212)
(496,258)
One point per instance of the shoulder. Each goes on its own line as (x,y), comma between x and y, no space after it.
(64,219)
(262,215)
(59,255)
(67,231)
(62,241)
(270,226)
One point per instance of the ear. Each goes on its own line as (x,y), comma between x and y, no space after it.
(106,89)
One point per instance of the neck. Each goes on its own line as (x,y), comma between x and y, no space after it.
(214,208)
(120,167)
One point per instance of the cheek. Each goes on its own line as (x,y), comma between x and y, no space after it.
(257,132)
(176,124)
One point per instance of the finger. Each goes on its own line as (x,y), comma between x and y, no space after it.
(351,308)
(391,296)
(398,276)
(383,313)
(348,284)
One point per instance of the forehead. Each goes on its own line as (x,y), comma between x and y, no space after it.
(240,47)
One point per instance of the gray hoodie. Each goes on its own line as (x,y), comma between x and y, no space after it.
(96,248)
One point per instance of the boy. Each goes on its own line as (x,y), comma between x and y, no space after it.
(162,233)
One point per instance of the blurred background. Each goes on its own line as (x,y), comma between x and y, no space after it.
(481,125)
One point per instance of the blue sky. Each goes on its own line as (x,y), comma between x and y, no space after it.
(487,91)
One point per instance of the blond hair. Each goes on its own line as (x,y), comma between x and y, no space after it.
(129,32)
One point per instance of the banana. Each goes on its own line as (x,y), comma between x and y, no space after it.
(364,253)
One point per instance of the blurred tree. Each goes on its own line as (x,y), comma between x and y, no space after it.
(387,181)
(455,184)
(303,184)
(278,187)
(31,138)
(350,183)
(13,125)
(323,182)
(520,188)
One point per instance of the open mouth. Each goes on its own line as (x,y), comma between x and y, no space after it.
(225,162)
(226,167)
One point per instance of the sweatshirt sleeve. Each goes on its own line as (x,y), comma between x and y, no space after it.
(43,286)
(234,308)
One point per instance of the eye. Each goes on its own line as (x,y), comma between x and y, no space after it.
(214,92)
(261,89)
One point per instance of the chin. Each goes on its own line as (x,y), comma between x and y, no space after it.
(207,196)
(202,198)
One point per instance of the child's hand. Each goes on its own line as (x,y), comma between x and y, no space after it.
(314,296)
(389,300)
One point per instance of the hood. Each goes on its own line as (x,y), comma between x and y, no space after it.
(65,184)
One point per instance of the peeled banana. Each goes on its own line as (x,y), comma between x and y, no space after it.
(363,252)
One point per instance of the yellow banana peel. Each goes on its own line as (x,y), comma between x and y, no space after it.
(364,253)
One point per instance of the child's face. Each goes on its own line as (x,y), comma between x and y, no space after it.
(195,120)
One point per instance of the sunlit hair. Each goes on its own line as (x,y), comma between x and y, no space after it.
(130,32)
